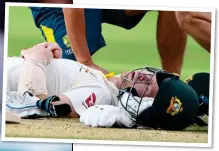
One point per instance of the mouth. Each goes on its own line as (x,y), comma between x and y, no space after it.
(133,76)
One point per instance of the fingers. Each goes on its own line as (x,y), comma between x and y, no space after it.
(106,116)
(49,46)
(52,46)
(57,53)
(89,117)
(125,119)
(45,48)
(45,44)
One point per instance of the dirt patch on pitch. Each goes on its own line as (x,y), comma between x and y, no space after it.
(73,129)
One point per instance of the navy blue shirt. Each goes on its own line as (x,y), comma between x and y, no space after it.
(53,18)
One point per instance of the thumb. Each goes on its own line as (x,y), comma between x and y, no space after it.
(124,119)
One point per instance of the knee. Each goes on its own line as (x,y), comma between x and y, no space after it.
(184,19)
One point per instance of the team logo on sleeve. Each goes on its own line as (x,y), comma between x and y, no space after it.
(175,106)
(90,101)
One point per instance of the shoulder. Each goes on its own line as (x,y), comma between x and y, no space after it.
(63,62)
(100,88)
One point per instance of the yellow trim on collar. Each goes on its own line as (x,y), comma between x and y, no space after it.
(109,75)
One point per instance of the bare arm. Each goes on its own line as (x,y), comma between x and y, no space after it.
(75,26)
(76,31)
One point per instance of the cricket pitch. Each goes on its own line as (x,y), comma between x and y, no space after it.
(73,129)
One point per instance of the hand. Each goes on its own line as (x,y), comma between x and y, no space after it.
(106,116)
(94,66)
(43,52)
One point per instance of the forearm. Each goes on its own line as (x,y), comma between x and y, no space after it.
(66,100)
(33,78)
(76,31)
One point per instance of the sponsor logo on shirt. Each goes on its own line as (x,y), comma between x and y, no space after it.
(88,72)
(90,101)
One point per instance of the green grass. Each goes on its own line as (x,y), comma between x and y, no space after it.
(125,50)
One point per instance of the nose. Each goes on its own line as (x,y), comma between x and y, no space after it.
(141,77)
(144,77)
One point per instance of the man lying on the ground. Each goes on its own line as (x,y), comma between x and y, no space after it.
(65,88)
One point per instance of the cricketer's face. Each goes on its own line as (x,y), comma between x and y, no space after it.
(144,82)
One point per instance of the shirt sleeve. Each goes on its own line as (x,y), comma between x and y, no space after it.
(86,95)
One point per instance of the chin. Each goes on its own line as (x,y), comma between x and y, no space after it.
(154,92)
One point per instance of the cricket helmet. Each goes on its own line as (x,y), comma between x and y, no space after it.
(200,82)
(174,107)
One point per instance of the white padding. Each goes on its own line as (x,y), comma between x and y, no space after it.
(33,77)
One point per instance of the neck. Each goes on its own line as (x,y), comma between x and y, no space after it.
(114,80)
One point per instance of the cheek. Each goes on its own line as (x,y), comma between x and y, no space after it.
(154,89)
(141,88)
(125,84)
